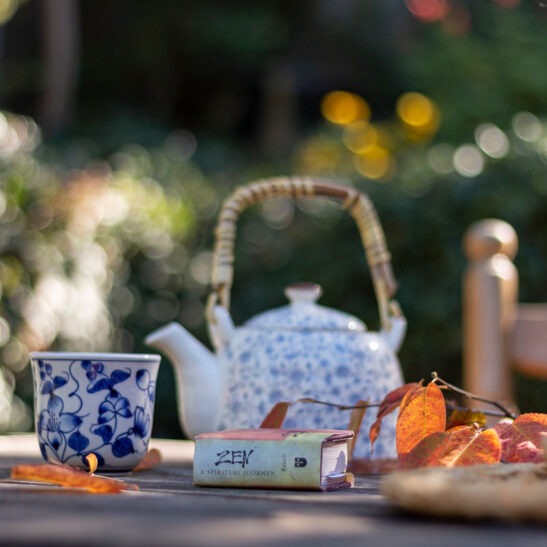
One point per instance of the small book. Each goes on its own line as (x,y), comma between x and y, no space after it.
(304,459)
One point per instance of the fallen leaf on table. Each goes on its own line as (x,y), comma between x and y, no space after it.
(521,439)
(93,462)
(151,459)
(63,475)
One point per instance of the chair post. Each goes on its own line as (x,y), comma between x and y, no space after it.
(490,294)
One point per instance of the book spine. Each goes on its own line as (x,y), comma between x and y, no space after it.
(268,464)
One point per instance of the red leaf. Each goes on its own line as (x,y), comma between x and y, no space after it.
(276,416)
(391,401)
(521,440)
(422,413)
(459,446)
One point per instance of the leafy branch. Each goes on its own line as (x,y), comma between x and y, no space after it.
(503,412)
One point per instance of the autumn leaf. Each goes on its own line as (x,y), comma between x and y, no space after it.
(521,439)
(459,446)
(422,413)
(276,416)
(63,475)
(92,462)
(390,402)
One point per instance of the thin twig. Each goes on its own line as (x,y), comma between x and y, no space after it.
(506,412)
(453,406)
(336,405)
(450,405)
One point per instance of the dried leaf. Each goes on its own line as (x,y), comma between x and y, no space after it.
(64,475)
(355,421)
(151,459)
(466,417)
(459,446)
(521,440)
(92,462)
(276,416)
(422,413)
(390,403)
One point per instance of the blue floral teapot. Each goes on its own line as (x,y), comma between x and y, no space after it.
(301,350)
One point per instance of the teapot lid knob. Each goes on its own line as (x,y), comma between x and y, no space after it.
(303,293)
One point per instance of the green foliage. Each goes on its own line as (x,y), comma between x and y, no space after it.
(486,74)
(102,240)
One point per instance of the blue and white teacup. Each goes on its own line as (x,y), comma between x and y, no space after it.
(100,403)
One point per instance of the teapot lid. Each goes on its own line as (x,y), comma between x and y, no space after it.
(303,313)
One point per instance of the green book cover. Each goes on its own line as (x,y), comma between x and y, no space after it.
(273,458)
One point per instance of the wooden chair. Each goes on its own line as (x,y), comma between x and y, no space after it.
(500,335)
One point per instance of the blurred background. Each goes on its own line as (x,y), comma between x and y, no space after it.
(123,126)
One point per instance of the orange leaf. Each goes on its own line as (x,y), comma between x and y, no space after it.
(521,439)
(484,448)
(459,446)
(93,462)
(151,459)
(422,413)
(276,416)
(64,475)
(389,403)
(355,421)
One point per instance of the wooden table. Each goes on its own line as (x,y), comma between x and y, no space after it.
(169,510)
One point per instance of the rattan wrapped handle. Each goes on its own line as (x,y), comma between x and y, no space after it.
(357,203)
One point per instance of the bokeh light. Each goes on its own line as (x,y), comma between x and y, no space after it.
(492,140)
(359,136)
(342,107)
(428,11)
(419,115)
(278,213)
(468,160)
(17,134)
(542,149)
(439,158)
(527,126)
(375,162)
(317,155)
(7,9)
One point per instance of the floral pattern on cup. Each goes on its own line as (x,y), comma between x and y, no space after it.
(104,407)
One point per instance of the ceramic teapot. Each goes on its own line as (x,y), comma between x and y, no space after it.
(301,350)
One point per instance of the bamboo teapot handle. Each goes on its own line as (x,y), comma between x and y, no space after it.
(357,203)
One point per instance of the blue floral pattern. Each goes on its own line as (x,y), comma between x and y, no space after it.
(85,406)
(267,366)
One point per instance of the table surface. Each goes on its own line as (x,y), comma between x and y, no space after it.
(169,510)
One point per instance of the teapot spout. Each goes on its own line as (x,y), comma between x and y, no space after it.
(197,374)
